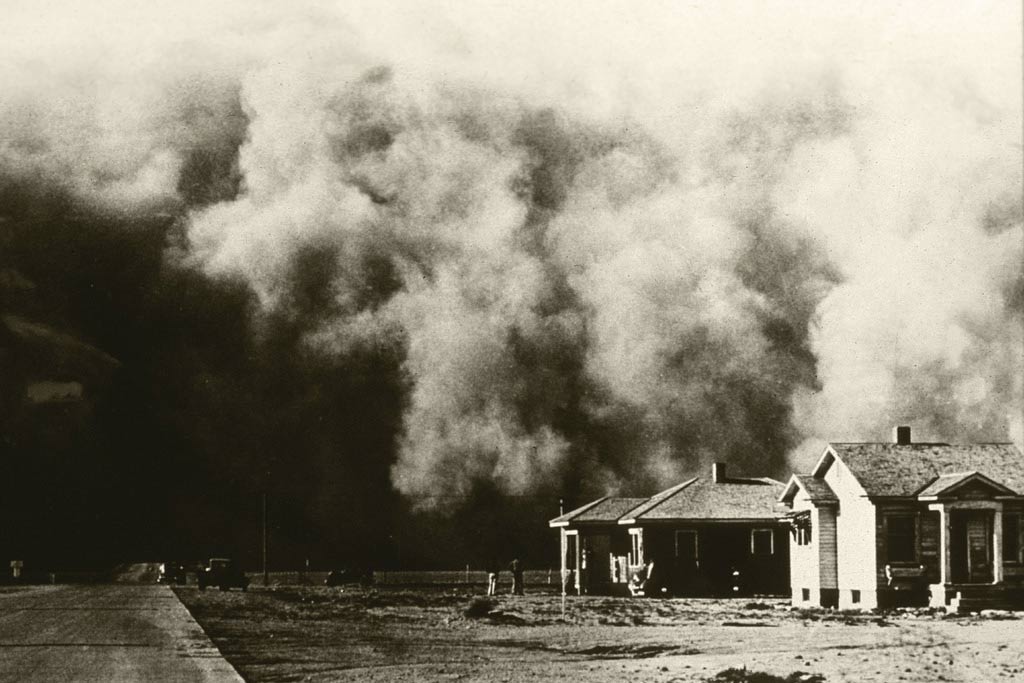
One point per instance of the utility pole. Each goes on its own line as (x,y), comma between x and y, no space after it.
(266,576)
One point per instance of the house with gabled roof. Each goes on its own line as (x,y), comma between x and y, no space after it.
(712,535)
(904,523)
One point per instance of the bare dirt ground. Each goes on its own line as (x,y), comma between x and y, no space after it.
(330,634)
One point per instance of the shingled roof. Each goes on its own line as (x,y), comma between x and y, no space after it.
(703,499)
(817,489)
(887,469)
(601,511)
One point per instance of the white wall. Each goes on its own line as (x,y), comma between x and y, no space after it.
(855,538)
(803,559)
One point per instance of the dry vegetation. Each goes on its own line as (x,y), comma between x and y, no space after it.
(309,633)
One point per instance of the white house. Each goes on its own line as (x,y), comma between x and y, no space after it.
(903,523)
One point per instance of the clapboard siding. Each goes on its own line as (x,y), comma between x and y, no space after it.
(931,545)
(825,537)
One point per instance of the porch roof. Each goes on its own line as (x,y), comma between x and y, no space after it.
(605,510)
(887,469)
(948,482)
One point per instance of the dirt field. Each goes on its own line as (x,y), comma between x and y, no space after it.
(331,634)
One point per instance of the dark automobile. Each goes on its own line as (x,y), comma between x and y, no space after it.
(348,577)
(172,572)
(223,573)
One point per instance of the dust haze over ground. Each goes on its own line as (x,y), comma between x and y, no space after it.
(396,262)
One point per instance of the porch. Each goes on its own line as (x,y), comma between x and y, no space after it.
(972,573)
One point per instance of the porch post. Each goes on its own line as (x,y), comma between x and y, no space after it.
(997,544)
(576,564)
(945,532)
(564,543)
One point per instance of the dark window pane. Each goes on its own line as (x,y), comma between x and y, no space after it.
(901,538)
(761,542)
(1011,537)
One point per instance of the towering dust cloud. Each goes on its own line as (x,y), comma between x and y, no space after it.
(607,244)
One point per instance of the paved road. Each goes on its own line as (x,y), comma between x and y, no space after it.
(108,633)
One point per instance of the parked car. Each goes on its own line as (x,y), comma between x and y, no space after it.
(347,577)
(223,573)
(171,572)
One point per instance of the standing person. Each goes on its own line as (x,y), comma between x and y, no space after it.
(517,577)
(492,578)
(585,571)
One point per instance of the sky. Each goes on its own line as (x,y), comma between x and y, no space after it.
(429,267)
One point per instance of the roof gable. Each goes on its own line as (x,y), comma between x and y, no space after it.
(963,484)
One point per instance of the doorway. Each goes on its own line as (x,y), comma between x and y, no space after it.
(971,546)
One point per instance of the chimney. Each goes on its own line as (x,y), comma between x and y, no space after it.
(901,435)
(718,472)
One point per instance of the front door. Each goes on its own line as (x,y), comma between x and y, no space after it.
(971,546)
(595,562)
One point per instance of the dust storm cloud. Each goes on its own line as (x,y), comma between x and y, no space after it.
(580,250)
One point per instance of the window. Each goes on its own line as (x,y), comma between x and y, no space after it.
(762,542)
(855,597)
(800,525)
(1011,537)
(686,545)
(805,593)
(901,538)
(636,547)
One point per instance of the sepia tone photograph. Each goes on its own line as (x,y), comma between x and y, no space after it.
(663,341)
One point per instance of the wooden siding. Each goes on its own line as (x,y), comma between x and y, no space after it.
(1013,572)
(824,534)
(931,545)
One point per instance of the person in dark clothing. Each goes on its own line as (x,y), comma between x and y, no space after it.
(517,577)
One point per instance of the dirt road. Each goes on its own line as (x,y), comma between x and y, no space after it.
(104,633)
